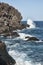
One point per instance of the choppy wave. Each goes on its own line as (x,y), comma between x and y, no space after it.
(31,23)
(25,52)
(21,58)
(23,35)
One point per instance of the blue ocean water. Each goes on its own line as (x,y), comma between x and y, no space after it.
(39,24)
(27,52)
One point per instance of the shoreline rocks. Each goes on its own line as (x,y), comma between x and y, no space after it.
(10,19)
(12,34)
(4,56)
(32,38)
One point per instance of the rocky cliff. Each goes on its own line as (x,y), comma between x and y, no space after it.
(9,17)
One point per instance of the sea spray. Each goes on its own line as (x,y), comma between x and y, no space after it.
(31,23)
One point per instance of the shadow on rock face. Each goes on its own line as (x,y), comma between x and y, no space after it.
(4,56)
(2,62)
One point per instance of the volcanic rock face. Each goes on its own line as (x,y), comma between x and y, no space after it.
(9,17)
(5,58)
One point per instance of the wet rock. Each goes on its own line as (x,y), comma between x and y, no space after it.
(27,37)
(42,40)
(12,34)
(32,39)
(27,25)
(15,34)
(4,56)
(24,26)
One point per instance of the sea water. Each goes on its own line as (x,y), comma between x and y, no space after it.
(27,52)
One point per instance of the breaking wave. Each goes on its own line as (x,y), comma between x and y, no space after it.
(31,23)
(21,58)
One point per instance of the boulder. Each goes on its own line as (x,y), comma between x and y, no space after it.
(32,38)
(4,56)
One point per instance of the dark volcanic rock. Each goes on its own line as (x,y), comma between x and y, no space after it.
(23,26)
(15,34)
(27,37)
(32,39)
(4,56)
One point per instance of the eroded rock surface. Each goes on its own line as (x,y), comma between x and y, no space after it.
(9,17)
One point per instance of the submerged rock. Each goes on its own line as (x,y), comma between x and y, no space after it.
(4,56)
(32,38)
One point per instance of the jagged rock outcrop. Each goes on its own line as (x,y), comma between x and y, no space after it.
(5,58)
(9,17)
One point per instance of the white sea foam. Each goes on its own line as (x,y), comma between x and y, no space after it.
(31,23)
(20,58)
(23,35)
(39,41)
